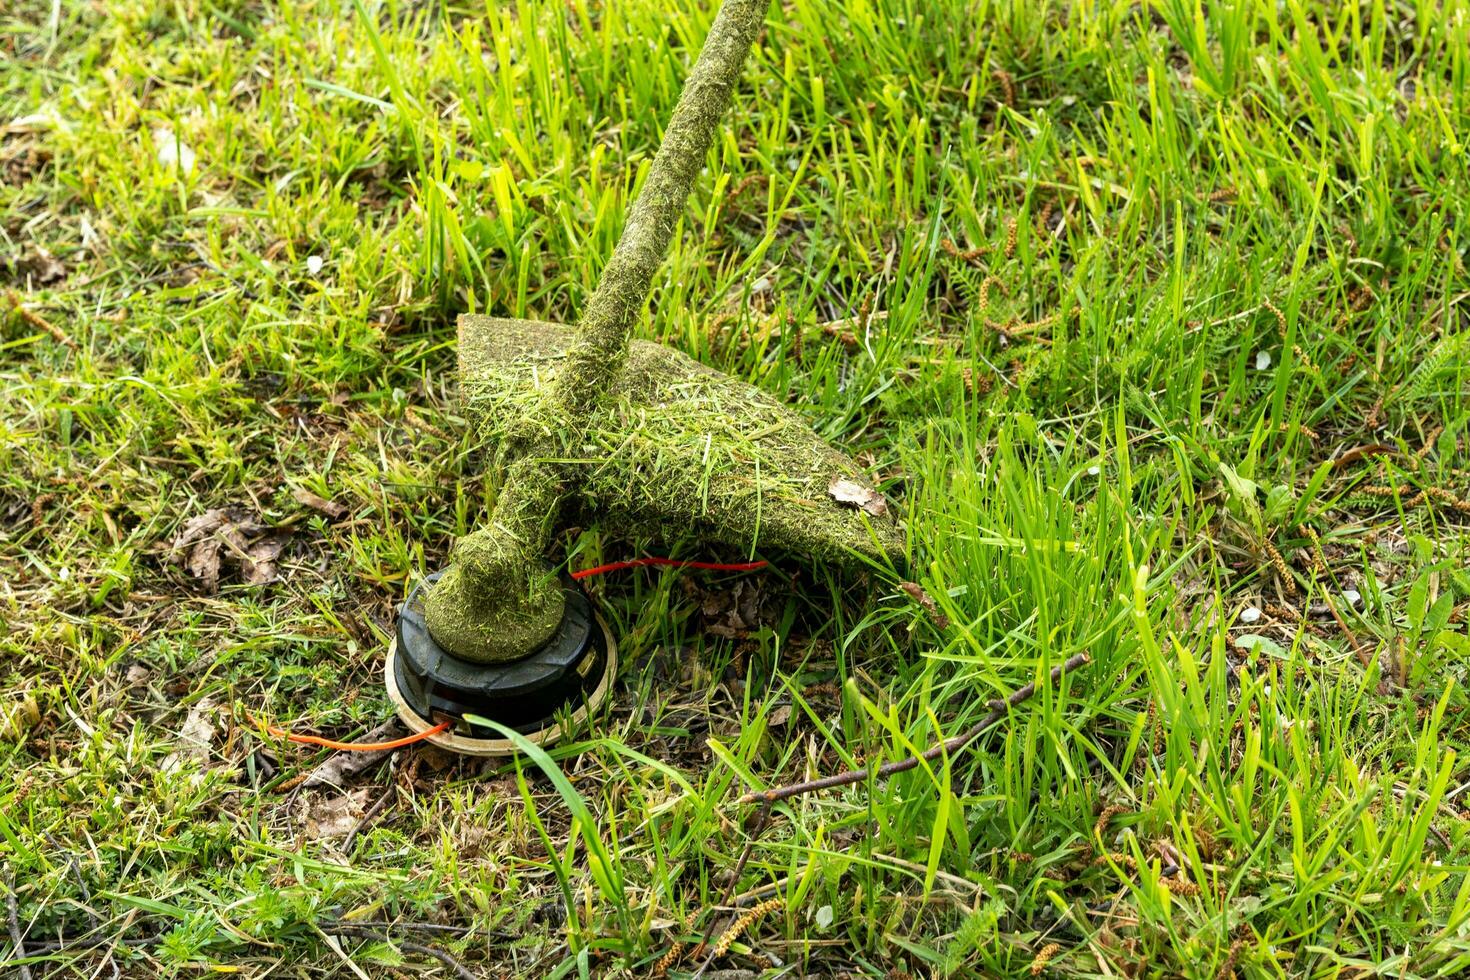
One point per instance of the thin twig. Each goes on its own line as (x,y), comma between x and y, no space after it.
(367,818)
(76,873)
(37,320)
(771,797)
(377,929)
(762,820)
(997,712)
(757,895)
(381,935)
(17,938)
(459,968)
(1363,658)
(82,944)
(378,925)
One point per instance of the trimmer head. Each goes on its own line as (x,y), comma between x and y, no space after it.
(635,437)
(542,696)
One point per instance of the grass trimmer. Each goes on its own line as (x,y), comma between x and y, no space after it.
(630,435)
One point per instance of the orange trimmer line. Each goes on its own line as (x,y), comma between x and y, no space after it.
(328,743)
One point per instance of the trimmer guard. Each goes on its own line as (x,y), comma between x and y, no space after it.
(678,445)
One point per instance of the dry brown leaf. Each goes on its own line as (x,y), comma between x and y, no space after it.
(203,563)
(196,737)
(733,613)
(335,815)
(854,494)
(222,538)
(42,267)
(328,508)
(199,549)
(259,564)
(435,758)
(914,589)
(342,766)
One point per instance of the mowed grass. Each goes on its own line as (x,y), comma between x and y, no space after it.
(1151,318)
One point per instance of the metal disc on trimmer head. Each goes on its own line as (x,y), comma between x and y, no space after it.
(566,679)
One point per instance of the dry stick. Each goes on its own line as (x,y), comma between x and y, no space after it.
(375,928)
(770,797)
(17,938)
(35,948)
(367,817)
(379,925)
(38,321)
(76,873)
(1363,658)
(438,954)
(338,767)
(997,712)
(449,961)
(762,820)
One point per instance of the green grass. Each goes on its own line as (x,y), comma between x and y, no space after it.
(1239,248)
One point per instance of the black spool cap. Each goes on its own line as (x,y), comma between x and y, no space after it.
(526,695)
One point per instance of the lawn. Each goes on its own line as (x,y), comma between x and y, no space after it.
(1151,319)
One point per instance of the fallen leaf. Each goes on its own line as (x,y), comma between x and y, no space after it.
(321,505)
(196,737)
(436,758)
(258,566)
(733,613)
(42,267)
(342,766)
(202,559)
(854,494)
(20,160)
(218,539)
(335,816)
(198,546)
(914,589)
